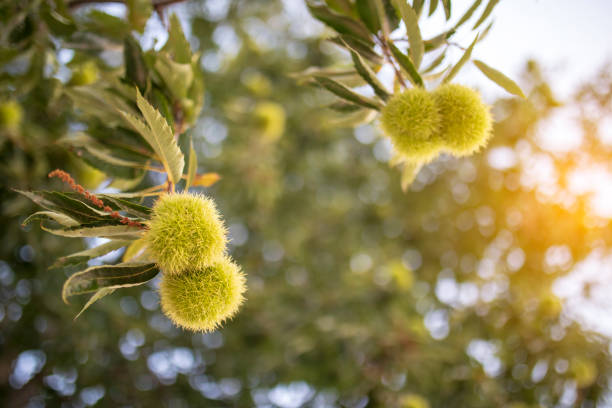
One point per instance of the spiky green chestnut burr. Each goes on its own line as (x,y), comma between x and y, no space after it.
(411,120)
(201,299)
(185,232)
(465,120)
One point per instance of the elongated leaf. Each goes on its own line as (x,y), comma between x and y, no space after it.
(447,8)
(409,173)
(368,14)
(433,5)
(363,48)
(94,298)
(177,45)
(411,20)
(406,65)
(499,78)
(464,58)
(438,40)
(131,208)
(468,14)
(60,218)
(340,23)
(135,69)
(345,93)
(487,11)
(159,135)
(109,277)
(86,255)
(177,77)
(63,203)
(96,230)
(81,142)
(135,250)
(369,76)
(192,167)
(206,179)
(435,63)
(360,117)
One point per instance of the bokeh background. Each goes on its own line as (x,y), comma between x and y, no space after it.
(485,285)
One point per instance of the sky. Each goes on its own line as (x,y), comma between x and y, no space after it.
(571,39)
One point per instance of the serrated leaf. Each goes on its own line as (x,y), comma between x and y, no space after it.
(342,24)
(109,277)
(177,44)
(364,49)
(466,16)
(406,64)
(411,20)
(369,76)
(177,77)
(158,134)
(94,298)
(345,93)
(464,58)
(487,11)
(60,218)
(91,253)
(205,180)
(192,167)
(447,8)
(499,78)
(139,12)
(100,103)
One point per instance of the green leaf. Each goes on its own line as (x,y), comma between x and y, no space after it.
(177,77)
(435,63)
(342,24)
(487,11)
(100,103)
(86,255)
(499,78)
(433,5)
(177,45)
(192,167)
(406,65)
(409,173)
(363,48)
(135,68)
(94,298)
(447,8)
(97,230)
(107,25)
(368,13)
(411,20)
(120,204)
(62,203)
(353,119)
(158,134)
(139,12)
(468,14)
(60,218)
(464,58)
(82,143)
(369,76)
(108,277)
(345,93)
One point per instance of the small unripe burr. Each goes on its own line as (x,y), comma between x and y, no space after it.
(466,122)
(202,299)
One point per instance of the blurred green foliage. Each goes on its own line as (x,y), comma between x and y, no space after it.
(359,294)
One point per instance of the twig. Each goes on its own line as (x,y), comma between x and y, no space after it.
(67,178)
(387,53)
